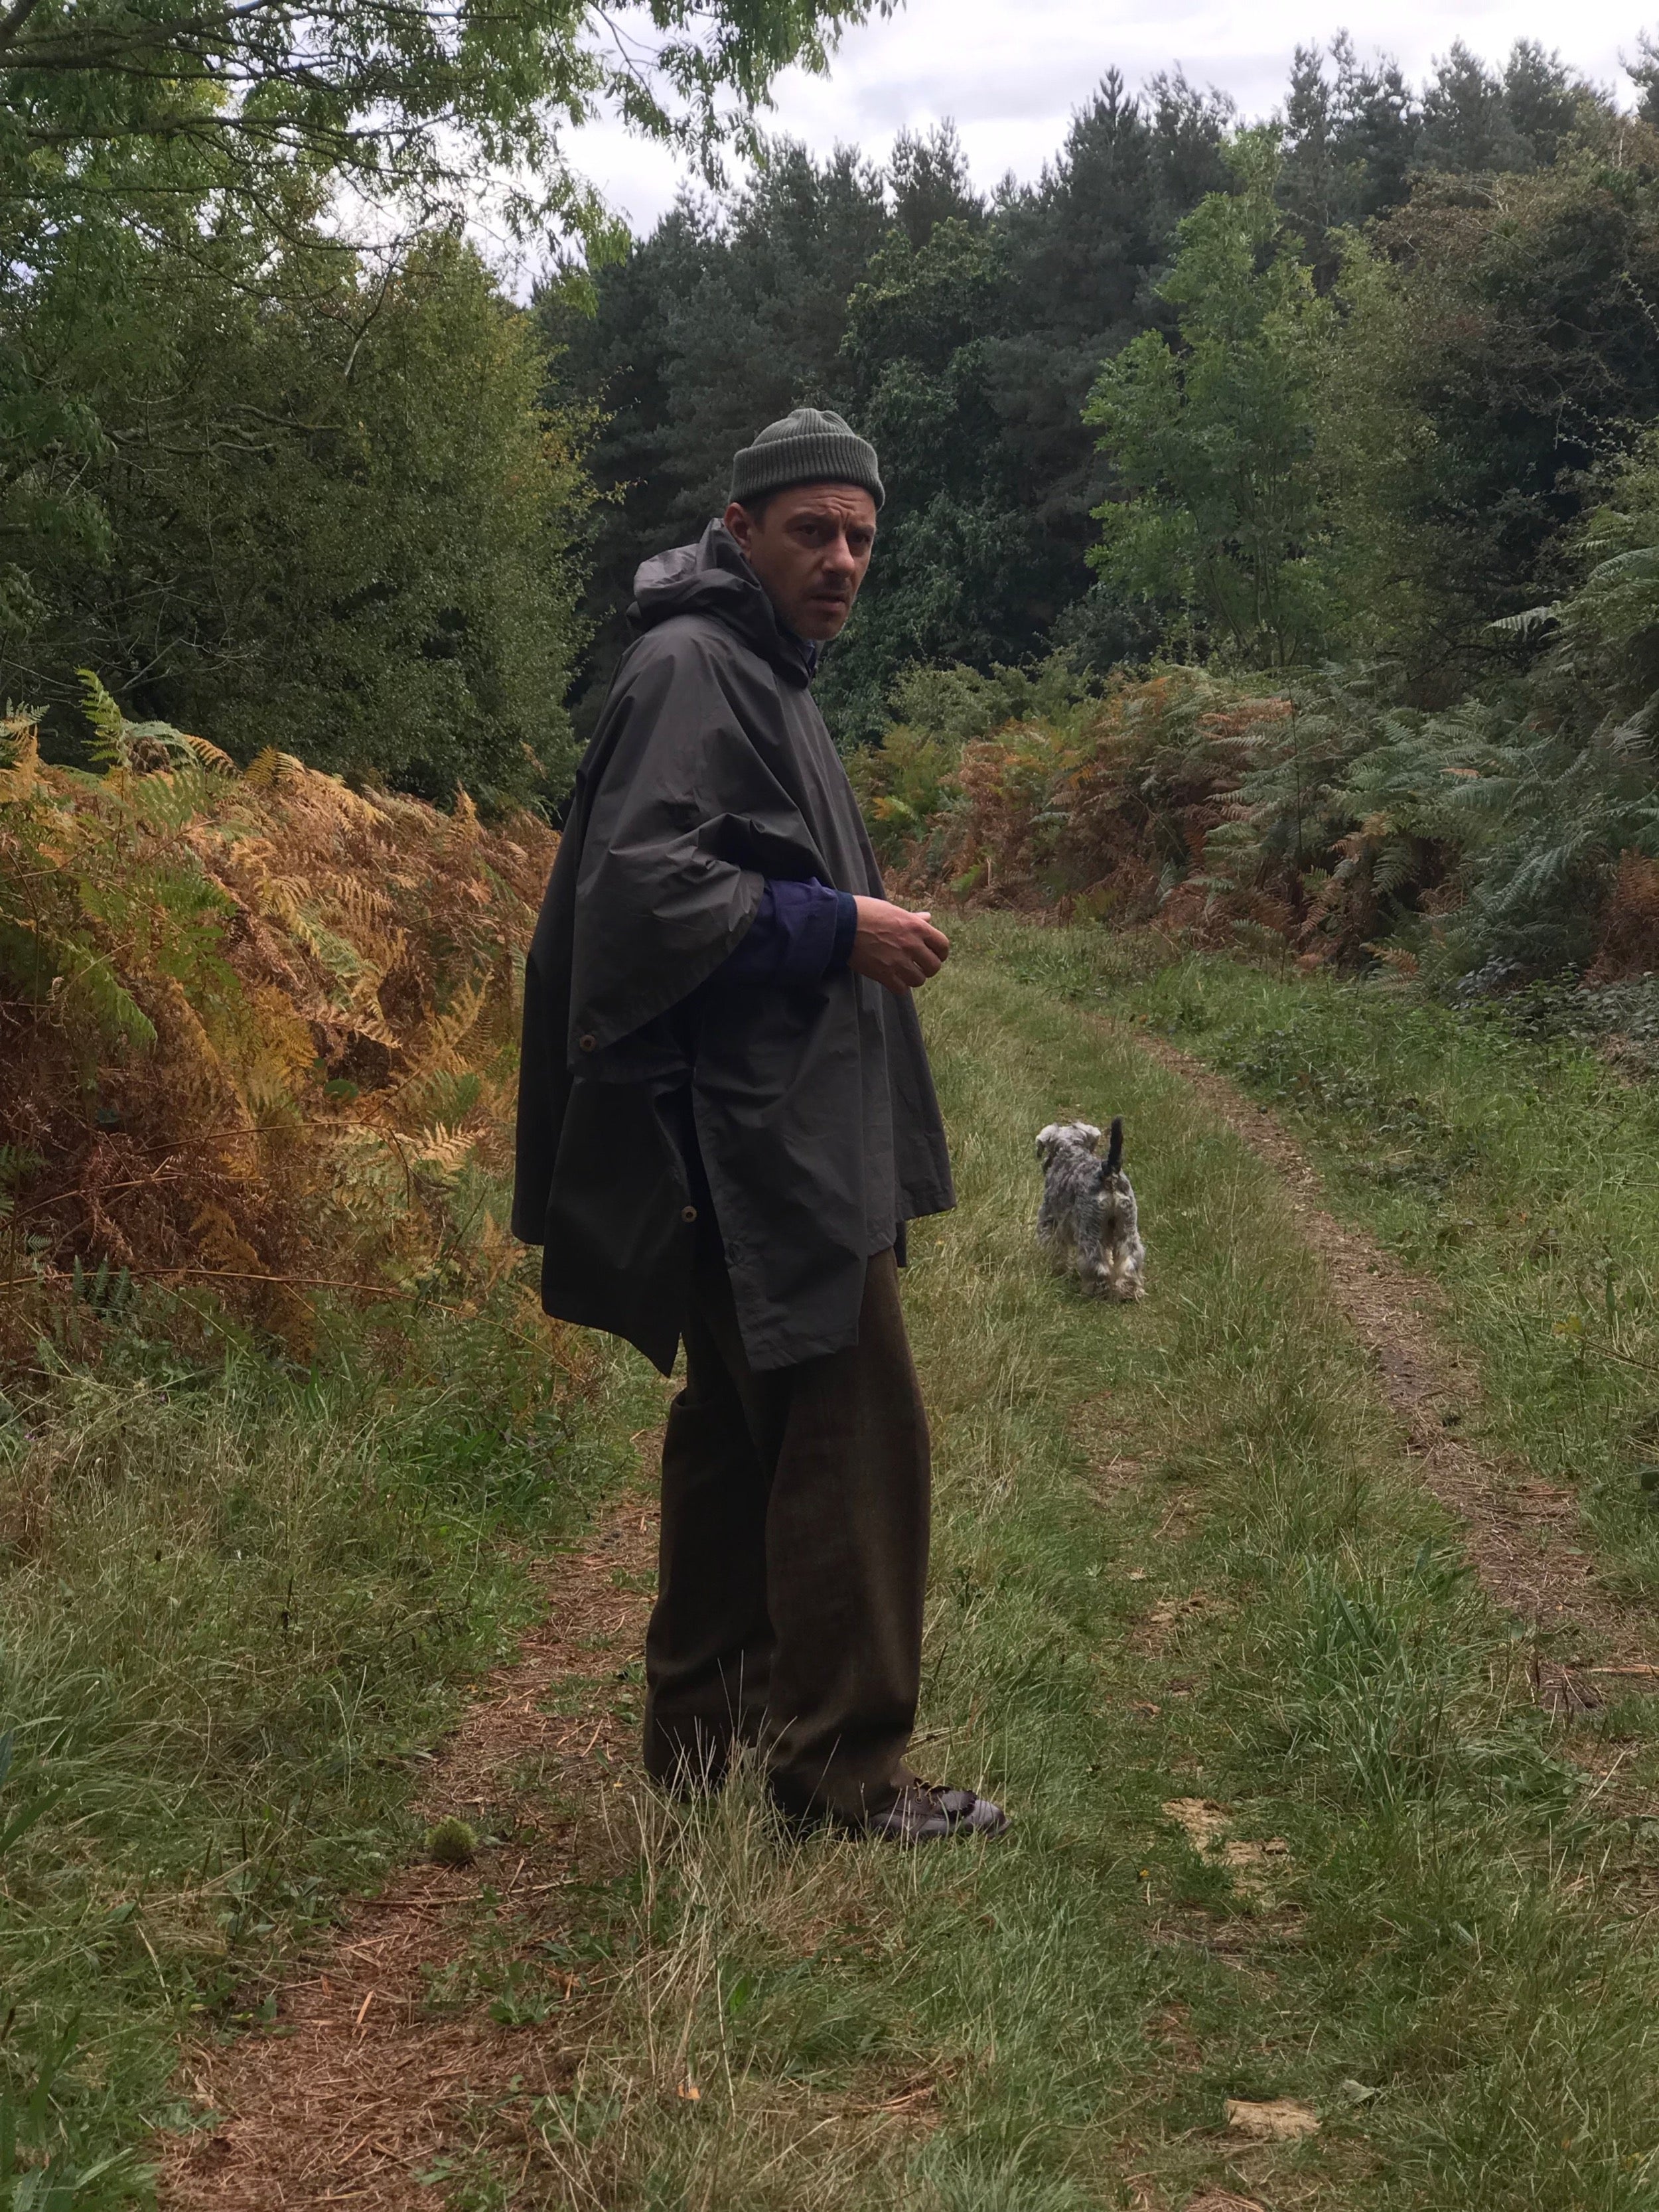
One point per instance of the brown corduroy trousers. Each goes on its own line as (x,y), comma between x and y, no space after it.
(793,1560)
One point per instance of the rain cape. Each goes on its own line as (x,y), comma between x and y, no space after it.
(649,1092)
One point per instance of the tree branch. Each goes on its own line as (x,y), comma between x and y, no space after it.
(14,18)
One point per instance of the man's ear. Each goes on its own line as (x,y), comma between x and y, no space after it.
(741,524)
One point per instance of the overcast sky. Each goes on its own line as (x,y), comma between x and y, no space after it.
(1010,72)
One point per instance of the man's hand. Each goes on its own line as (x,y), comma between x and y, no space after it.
(896,947)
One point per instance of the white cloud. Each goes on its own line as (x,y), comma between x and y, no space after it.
(1010,72)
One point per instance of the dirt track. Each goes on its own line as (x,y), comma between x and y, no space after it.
(357,2090)
(1520,1532)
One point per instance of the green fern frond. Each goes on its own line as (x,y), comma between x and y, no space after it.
(111,745)
(1533,624)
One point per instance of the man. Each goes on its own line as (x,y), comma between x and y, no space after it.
(725,1119)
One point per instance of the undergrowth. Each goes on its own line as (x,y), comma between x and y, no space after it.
(258,1040)
(1318,814)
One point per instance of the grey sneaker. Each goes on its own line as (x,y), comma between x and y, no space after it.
(923,1814)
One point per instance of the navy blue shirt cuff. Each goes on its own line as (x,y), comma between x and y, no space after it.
(846,928)
(793,938)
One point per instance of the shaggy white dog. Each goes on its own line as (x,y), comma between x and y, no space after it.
(1088,1216)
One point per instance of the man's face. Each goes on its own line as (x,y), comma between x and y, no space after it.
(810,548)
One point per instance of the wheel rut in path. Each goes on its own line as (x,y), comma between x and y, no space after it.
(1519,1532)
(361,2085)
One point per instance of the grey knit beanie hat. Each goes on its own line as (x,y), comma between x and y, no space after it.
(811,446)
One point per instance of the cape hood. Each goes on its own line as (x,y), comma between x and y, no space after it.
(713,578)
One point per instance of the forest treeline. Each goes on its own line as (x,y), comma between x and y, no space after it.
(275,460)
(1337,429)
(1505,329)
(1352,409)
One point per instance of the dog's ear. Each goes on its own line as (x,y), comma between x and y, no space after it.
(1086,1135)
(1047,1140)
(1114,1150)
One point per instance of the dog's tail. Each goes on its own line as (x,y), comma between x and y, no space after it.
(1114,1150)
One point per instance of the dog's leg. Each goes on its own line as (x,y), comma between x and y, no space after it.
(1129,1281)
(1121,1244)
(1052,1228)
(1091,1266)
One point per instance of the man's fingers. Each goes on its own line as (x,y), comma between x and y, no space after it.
(897,947)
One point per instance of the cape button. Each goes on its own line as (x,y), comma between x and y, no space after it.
(587,1043)
(688,1213)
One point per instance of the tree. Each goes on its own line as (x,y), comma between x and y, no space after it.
(405,97)
(1212,443)
(1495,347)
(1474,120)
(928,184)
(951,541)
(1465,122)
(180,181)
(1349,142)
(1543,101)
(128,124)
(340,522)
(1356,138)
(1085,247)
(1644,73)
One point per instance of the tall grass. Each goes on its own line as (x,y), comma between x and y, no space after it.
(237,1607)
(1513,1165)
(1179,1555)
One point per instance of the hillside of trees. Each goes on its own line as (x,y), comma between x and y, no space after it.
(1341,424)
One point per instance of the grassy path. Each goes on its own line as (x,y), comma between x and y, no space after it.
(1289,1827)
(410,2014)
(1584,1646)
(1511,1166)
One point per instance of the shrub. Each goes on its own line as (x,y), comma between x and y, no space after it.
(1103,806)
(1497,838)
(256,1038)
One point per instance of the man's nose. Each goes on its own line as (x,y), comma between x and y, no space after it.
(840,558)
